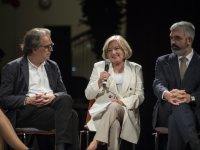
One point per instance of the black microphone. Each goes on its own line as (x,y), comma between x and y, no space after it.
(107,63)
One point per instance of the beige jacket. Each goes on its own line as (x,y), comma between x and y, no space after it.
(132,95)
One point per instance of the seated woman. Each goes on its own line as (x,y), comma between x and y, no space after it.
(8,134)
(116,84)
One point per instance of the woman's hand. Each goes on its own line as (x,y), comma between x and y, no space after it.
(118,101)
(103,76)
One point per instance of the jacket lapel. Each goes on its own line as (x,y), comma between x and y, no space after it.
(173,61)
(113,86)
(25,69)
(127,77)
(49,74)
(189,70)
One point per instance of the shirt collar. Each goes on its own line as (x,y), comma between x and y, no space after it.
(34,66)
(189,56)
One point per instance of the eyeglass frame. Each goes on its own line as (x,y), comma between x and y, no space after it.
(49,46)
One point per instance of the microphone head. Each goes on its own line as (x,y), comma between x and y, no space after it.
(107,63)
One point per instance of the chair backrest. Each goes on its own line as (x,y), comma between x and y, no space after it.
(88,117)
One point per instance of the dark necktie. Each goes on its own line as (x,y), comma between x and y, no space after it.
(183,66)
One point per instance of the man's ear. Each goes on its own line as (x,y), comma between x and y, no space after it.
(189,41)
(34,50)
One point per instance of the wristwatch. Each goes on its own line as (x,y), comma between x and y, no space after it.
(192,98)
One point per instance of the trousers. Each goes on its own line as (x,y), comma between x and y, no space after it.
(57,115)
(109,128)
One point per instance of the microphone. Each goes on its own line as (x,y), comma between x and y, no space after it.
(107,63)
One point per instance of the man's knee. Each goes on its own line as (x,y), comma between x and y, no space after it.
(74,114)
(75,118)
(65,100)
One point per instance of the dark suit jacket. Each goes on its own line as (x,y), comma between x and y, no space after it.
(167,77)
(15,81)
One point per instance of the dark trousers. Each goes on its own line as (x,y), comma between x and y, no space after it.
(182,122)
(57,115)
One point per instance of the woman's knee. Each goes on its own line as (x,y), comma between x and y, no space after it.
(116,124)
(115,107)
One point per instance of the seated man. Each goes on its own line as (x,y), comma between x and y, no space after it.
(33,92)
(177,87)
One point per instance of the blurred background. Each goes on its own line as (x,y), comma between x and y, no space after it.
(79,30)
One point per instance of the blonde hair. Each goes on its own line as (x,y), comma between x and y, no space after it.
(122,43)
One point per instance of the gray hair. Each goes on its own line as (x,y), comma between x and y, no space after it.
(122,43)
(187,27)
(32,39)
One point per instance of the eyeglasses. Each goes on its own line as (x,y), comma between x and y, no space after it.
(49,46)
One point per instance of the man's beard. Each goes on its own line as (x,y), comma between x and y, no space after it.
(178,50)
(174,47)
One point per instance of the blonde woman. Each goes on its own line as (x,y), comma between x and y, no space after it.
(116,84)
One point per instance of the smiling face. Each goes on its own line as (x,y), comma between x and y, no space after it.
(115,53)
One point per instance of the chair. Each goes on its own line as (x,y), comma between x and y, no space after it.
(159,131)
(78,95)
(86,130)
(27,135)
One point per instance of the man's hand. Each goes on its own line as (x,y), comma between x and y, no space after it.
(40,99)
(177,96)
(47,99)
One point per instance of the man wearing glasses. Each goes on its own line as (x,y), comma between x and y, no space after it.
(33,92)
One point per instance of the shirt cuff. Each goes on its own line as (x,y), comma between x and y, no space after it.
(163,95)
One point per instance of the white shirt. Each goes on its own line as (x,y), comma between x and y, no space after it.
(118,77)
(38,80)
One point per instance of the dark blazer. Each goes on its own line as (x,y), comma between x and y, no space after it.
(167,77)
(15,81)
